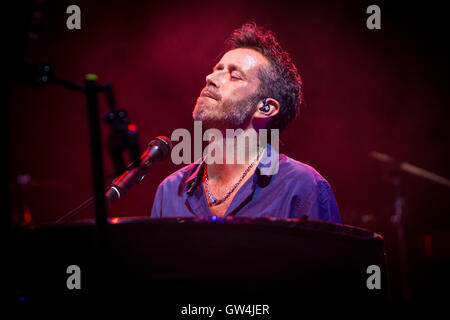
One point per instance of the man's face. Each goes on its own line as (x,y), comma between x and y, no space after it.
(228,99)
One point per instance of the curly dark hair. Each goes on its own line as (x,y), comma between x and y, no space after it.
(281,81)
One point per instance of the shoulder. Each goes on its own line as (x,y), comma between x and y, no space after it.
(181,177)
(298,172)
(311,193)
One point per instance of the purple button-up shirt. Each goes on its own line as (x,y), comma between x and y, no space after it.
(296,190)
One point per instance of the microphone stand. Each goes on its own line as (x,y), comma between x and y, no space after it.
(91,89)
(43,75)
(398,218)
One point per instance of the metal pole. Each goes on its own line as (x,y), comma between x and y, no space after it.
(92,89)
(398,219)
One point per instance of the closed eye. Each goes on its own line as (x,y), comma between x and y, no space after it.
(235,75)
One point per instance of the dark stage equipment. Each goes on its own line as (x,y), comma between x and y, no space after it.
(186,259)
(157,150)
(123,135)
(394,177)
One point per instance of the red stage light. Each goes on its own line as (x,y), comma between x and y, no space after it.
(115,220)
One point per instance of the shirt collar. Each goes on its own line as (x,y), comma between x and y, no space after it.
(267,167)
(195,178)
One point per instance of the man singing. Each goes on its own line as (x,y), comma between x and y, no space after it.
(254,86)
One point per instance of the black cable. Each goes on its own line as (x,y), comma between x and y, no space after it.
(74,211)
(83,205)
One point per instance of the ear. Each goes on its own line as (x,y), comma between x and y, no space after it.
(274,108)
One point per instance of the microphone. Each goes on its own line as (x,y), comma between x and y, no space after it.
(158,149)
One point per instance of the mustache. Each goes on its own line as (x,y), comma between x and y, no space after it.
(211,93)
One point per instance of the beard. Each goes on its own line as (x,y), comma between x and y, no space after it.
(225,114)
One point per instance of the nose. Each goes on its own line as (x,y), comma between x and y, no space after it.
(211,80)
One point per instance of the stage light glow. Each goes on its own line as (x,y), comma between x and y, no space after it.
(115,220)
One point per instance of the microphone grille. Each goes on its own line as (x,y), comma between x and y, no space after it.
(163,143)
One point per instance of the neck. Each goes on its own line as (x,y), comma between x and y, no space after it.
(235,155)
